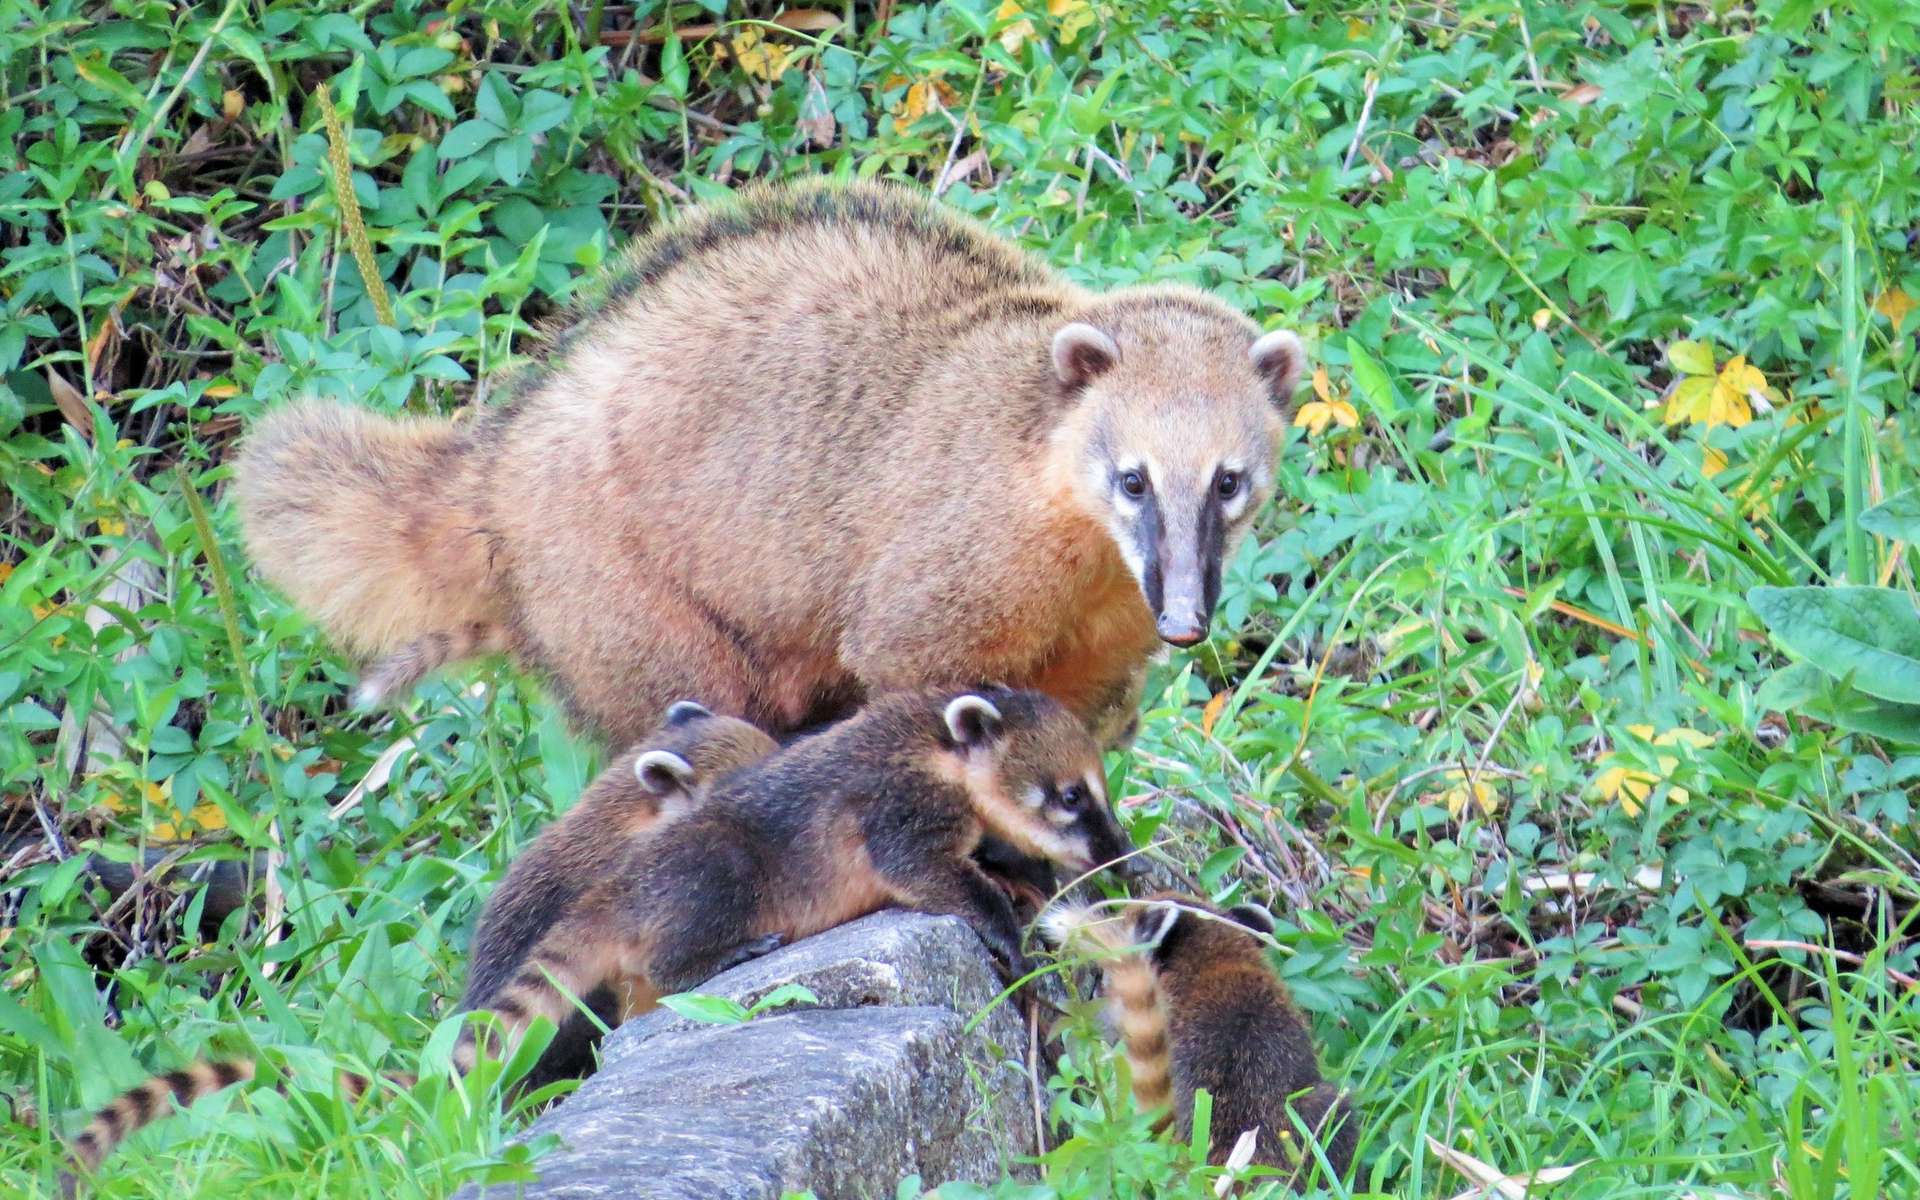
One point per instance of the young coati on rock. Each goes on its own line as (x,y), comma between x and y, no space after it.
(661,779)
(823,440)
(884,808)
(1198,1007)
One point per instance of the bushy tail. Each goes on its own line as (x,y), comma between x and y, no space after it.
(140,1107)
(374,526)
(1118,939)
(396,674)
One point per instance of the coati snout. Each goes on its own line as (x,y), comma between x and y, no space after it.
(1176,483)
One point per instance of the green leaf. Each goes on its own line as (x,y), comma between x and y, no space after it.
(714,1010)
(1806,690)
(1868,636)
(1897,517)
(1691,358)
(780,997)
(467,137)
(1372,384)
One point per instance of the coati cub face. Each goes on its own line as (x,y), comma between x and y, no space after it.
(1172,441)
(1178,929)
(692,747)
(1035,776)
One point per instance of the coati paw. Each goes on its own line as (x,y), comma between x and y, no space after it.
(748,951)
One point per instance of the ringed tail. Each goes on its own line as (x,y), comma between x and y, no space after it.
(1131,990)
(141,1106)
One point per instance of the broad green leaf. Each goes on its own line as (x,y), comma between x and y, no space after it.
(1898,517)
(1806,690)
(697,1006)
(1691,358)
(1868,636)
(1371,381)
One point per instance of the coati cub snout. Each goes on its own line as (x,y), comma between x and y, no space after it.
(1199,1007)
(661,779)
(819,442)
(885,808)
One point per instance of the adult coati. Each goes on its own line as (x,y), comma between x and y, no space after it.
(1198,1007)
(887,807)
(823,440)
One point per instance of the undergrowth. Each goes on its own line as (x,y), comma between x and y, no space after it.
(1612,307)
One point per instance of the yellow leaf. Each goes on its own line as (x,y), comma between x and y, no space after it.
(1542,317)
(1015,35)
(1691,358)
(222,391)
(1070,17)
(1457,797)
(232,104)
(1316,415)
(6,572)
(922,98)
(1712,461)
(112,526)
(757,56)
(1690,400)
(1357,30)
(1211,712)
(1629,787)
(1894,305)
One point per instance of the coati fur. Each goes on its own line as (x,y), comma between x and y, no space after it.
(1198,1006)
(658,780)
(662,778)
(821,441)
(885,808)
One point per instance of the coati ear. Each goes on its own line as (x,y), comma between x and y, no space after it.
(663,771)
(682,711)
(1082,353)
(1253,917)
(1156,923)
(972,720)
(1279,356)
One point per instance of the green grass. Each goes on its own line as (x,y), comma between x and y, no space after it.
(1492,223)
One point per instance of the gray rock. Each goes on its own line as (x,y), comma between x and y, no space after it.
(883,1081)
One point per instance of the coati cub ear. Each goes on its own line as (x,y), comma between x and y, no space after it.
(1082,353)
(682,711)
(663,772)
(1279,356)
(1253,917)
(972,721)
(1156,923)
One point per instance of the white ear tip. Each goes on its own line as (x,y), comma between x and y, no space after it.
(1279,341)
(962,708)
(1060,922)
(1081,351)
(649,766)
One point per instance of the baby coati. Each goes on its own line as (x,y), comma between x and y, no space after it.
(662,778)
(658,780)
(708,845)
(820,441)
(1198,1007)
(885,808)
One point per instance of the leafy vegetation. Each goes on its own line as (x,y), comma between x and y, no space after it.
(1584,859)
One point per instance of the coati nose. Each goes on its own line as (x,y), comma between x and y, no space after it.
(1133,867)
(1181,630)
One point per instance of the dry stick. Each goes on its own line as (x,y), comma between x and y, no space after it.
(1845,956)
(193,68)
(1366,113)
(1033,1080)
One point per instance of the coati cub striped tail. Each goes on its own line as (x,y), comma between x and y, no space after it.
(1115,938)
(139,1107)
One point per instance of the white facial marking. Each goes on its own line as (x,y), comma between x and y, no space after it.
(1035,796)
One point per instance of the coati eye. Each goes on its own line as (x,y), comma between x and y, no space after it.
(1229,485)
(1074,795)
(1134,484)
